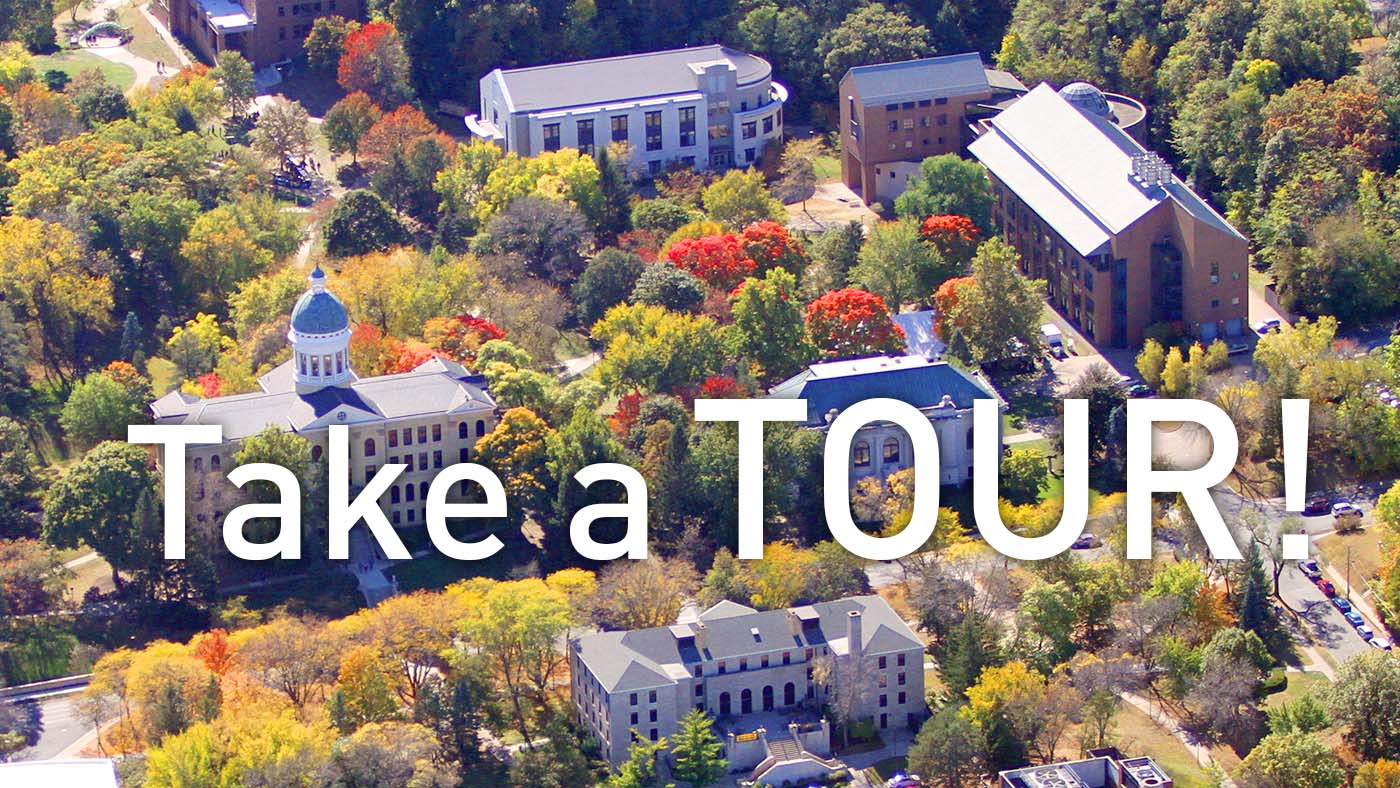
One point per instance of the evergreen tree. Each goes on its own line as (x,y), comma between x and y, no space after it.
(454,710)
(616,211)
(14,355)
(971,646)
(697,751)
(131,337)
(958,349)
(1253,603)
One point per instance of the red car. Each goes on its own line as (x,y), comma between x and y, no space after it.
(1326,587)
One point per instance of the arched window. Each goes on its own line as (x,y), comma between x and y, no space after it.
(463,431)
(394,494)
(790,694)
(746,702)
(199,465)
(215,462)
(480,428)
(861,452)
(301,362)
(370,448)
(316,453)
(423,491)
(408,491)
(724,708)
(768,698)
(891,450)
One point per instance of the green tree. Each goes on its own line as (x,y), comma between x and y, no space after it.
(739,199)
(896,264)
(1365,702)
(1304,715)
(639,770)
(947,750)
(661,215)
(348,120)
(325,43)
(97,503)
(558,763)
(696,750)
(607,280)
(663,284)
(1023,474)
(235,77)
(361,223)
(1292,759)
(836,252)
(871,34)
(651,348)
(948,184)
(768,325)
(1001,307)
(100,409)
(1151,361)
(19,481)
(98,101)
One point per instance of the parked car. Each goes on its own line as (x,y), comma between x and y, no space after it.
(1342,604)
(1326,587)
(1141,390)
(1265,326)
(1085,542)
(1310,569)
(1381,643)
(1237,348)
(1354,618)
(1365,632)
(1317,505)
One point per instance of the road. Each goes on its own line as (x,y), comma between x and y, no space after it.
(63,726)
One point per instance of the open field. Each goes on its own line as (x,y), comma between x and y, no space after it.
(1365,552)
(75,61)
(145,41)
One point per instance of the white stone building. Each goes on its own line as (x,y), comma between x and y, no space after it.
(710,107)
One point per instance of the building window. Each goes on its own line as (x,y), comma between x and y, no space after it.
(635,718)
(651,696)
(687,126)
(768,125)
(437,458)
(699,690)
(437,433)
(480,428)
(408,463)
(884,701)
(891,454)
(923,123)
(908,124)
(199,465)
(462,454)
(899,660)
(585,136)
(407,436)
(862,454)
(924,102)
(463,431)
(743,664)
(748,154)
(551,136)
(393,439)
(423,434)
(632,699)
(899,678)
(215,462)
(369,472)
(749,130)
(940,101)
(394,494)
(654,167)
(1214,273)
(316,453)
(883,662)
(653,122)
(396,517)
(619,128)
(422,461)
(408,492)
(369,447)
(891,107)
(901,698)
(653,716)
(943,120)
(894,125)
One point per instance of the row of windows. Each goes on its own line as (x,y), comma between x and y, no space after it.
(910,104)
(321,365)
(302,9)
(908,123)
(910,144)
(654,141)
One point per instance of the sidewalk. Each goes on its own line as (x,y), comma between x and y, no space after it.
(1170,724)
(1357,597)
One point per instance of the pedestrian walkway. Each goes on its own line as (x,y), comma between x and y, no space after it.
(165,35)
(1167,722)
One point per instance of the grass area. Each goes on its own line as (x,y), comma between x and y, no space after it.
(327,593)
(145,41)
(75,61)
(438,571)
(163,375)
(1364,547)
(889,766)
(828,168)
(1137,734)
(571,344)
(1299,684)
(96,573)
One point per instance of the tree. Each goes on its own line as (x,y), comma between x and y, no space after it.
(517,450)
(948,184)
(1291,759)
(608,279)
(394,134)
(348,121)
(19,482)
(1365,701)
(235,78)
(295,656)
(661,215)
(1002,307)
(1023,474)
(1006,707)
(33,578)
(651,348)
(549,236)
(96,503)
(955,237)
(1152,362)
(283,132)
(325,44)
(720,261)
(947,750)
(797,175)
(871,34)
(770,245)
(768,324)
(643,594)
(696,751)
(1304,715)
(663,284)
(98,101)
(375,62)
(556,763)
(849,323)
(1381,774)
(388,755)
(364,692)
(896,264)
(361,223)
(100,408)
(740,198)
(563,174)
(455,710)
(836,252)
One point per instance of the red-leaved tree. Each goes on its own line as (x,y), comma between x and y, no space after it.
(717,260)
(395,133)
(376,63)
(945,302)
(954,236)
(409,354)
(459,337)
(210,385)
(848,323)
(770,245)
(629,409)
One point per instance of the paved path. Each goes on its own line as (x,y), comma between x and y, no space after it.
(108,49)
(1167,722)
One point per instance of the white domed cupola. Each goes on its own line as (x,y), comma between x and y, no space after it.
(320,337)
(1087,98)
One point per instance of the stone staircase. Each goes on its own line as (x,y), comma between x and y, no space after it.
(786,749)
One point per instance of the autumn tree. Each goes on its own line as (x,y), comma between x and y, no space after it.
(1002,307)
(797,174)
(1364,702)
(642,594)
(1380,774)
(294,656)
(375,62)
(517,450)
(720,261)
(1293,759)
(653,349)
(740,198)
(348,121)
(955,237)
(848,323)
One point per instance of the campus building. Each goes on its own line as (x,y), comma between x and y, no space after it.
(264,31)
(761,675)
(709,107)
(425,419)
(1120,241)
(1105,768)
(895,115)
(940,390)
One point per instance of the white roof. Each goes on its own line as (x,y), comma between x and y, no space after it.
(1075,170)
(92,773)
(227,15)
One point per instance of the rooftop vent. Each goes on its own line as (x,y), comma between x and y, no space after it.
(1150,169)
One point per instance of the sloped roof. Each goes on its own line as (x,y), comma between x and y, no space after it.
(646,658)
(837,385)
(938,77)
(1075,170)
(920,337)
(621,78)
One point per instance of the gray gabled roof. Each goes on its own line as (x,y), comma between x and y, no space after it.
(836,385)
(647,658)
(937,77)
(621,78)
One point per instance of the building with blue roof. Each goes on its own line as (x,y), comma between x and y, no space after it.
(424,419)
(940,390)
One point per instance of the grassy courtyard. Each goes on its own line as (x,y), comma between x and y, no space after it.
(76,61)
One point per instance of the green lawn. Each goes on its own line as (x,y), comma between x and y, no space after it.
(1299,684)
(145,41)
(828,168)
(889,766)
(436,571)
(163,375)
(1137,734)
(75,62)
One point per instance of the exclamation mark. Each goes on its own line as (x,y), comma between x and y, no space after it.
(1295,471)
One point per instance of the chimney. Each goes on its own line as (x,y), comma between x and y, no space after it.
(853,638)
(794,624)
(702,636)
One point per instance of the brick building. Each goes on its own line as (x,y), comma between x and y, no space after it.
(1120,241)
(264,31)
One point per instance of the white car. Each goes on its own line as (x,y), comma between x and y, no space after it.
(1265,326)
(1380,643)
(1309,569)
(1366,633)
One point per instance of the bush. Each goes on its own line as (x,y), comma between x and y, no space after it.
(1275,682)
